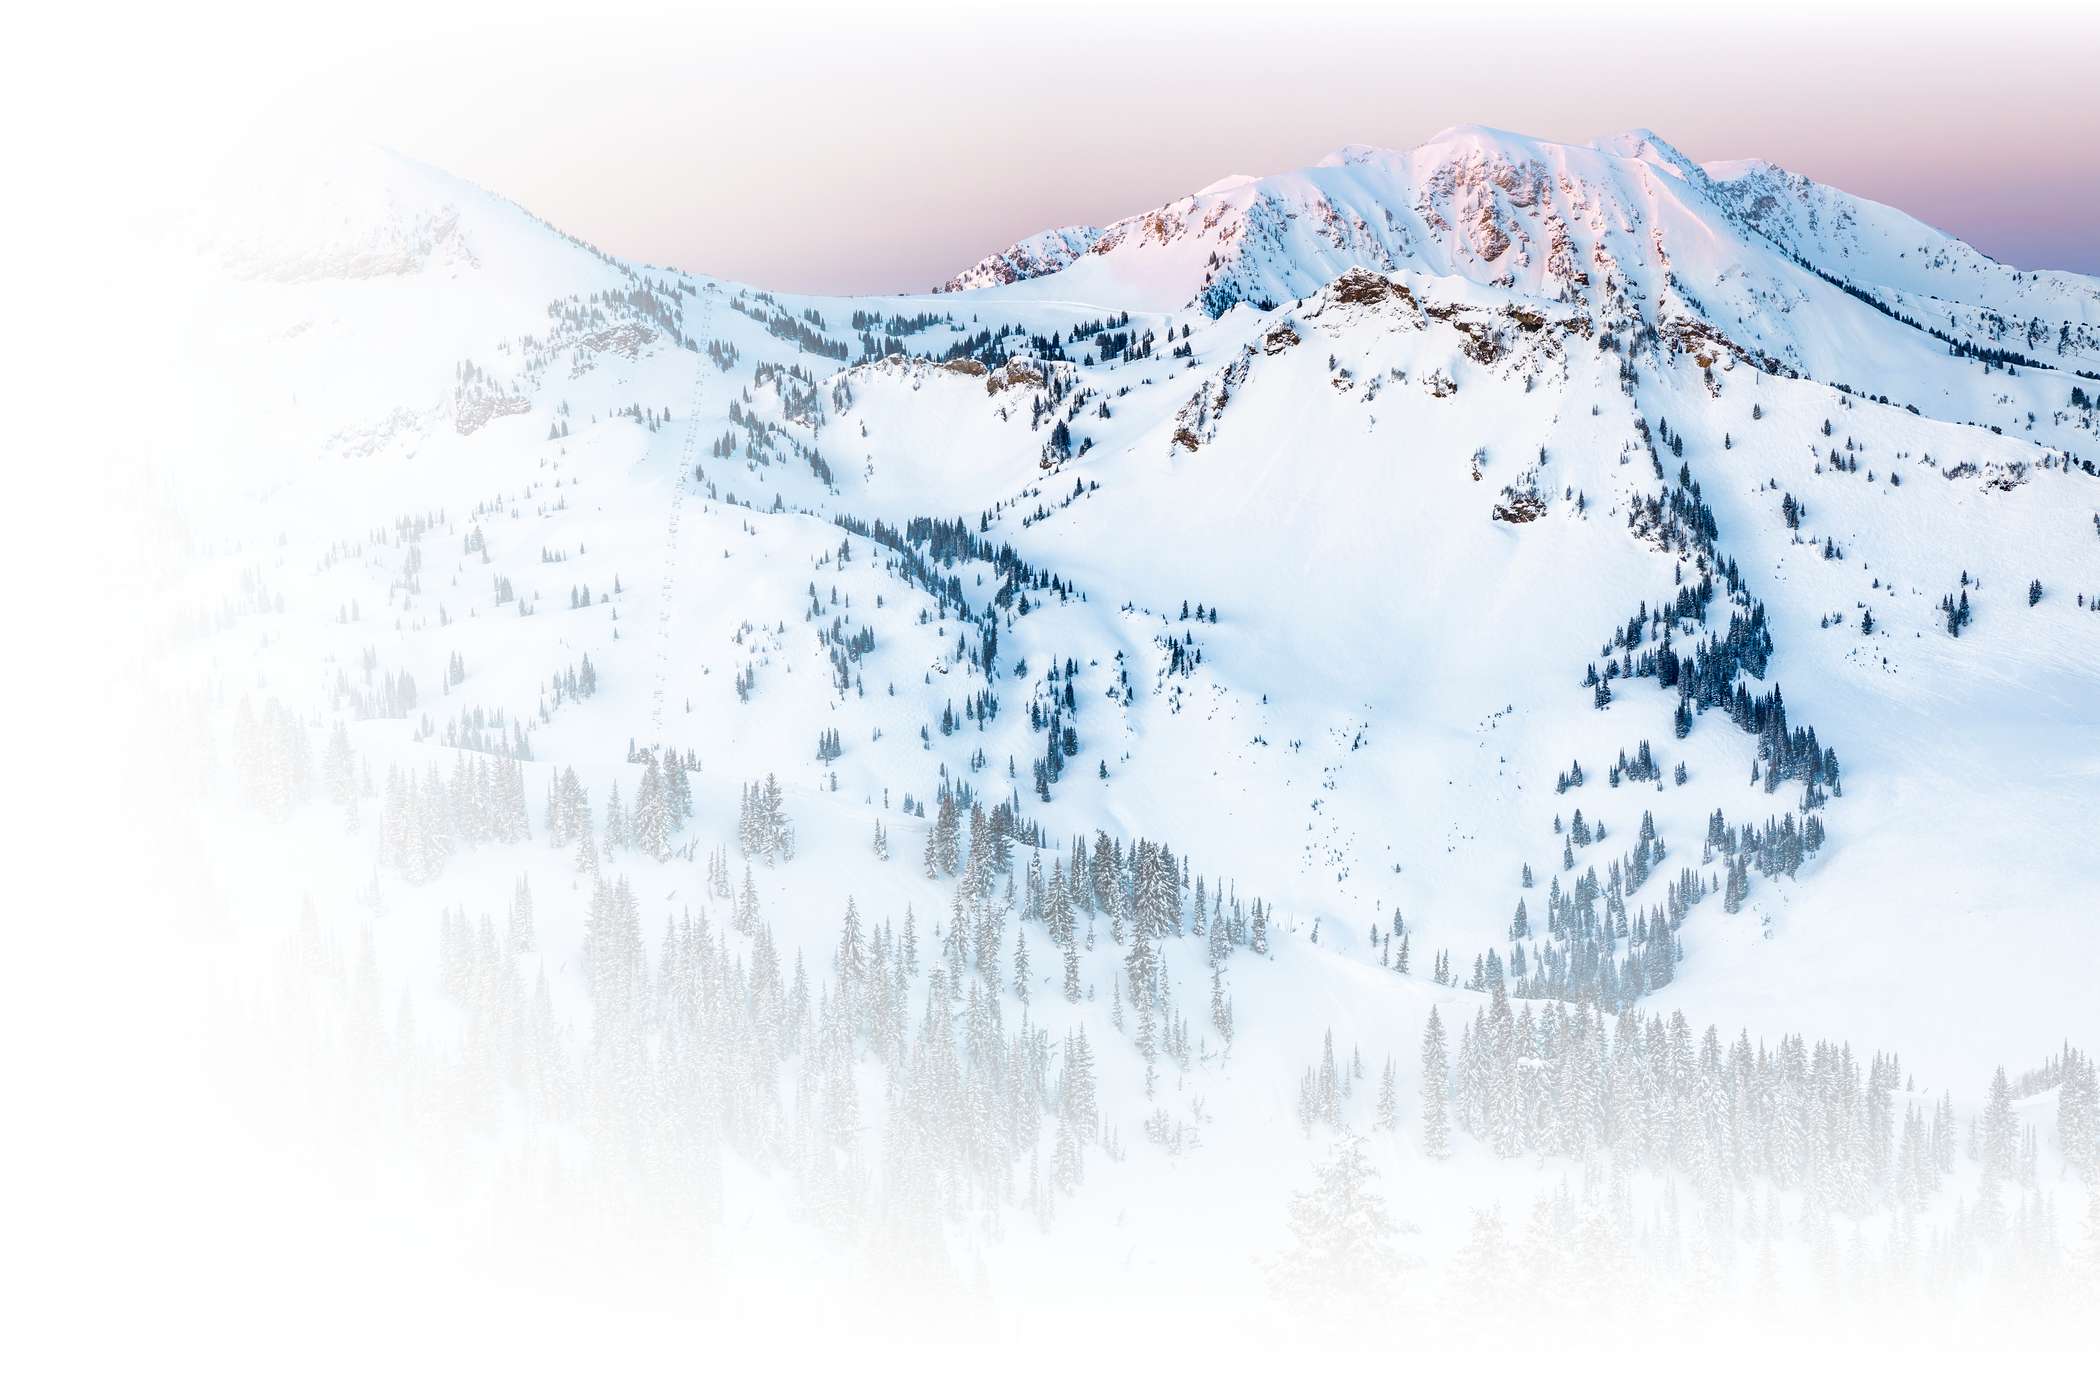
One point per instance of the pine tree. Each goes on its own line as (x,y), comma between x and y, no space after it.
(1143,968)
(852,961)
(1342,1257)
(1057,911)
(1152,883)
(1069,1168)
(616,831)
(1076,1087)
(522,936)
(1436,1070)
(2000,1128)
(779,837)
(652,811)
(943,840)
(586,841)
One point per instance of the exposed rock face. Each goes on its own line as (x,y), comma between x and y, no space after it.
(1039,256)
(1016,373)
(1519,508)
(477,411)
(1488,238)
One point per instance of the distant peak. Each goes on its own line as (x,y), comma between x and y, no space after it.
(1230,182)
(1639,143)
(1470,134)
(1631,141)
(1353,154)
(1475,132)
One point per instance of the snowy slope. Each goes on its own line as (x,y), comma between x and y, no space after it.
(1322,491)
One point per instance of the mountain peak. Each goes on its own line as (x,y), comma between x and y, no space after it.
(1476,133)
(1353,154)
(1639,143)
(289,210)
(1625,226)
(1471,135)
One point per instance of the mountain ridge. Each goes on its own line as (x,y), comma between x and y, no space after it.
(1556,219)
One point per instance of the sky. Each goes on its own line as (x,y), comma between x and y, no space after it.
(831,148)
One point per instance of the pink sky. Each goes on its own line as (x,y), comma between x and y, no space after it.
(861,149)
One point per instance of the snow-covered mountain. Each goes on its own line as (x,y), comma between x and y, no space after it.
(1627,221)
(1647,587)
